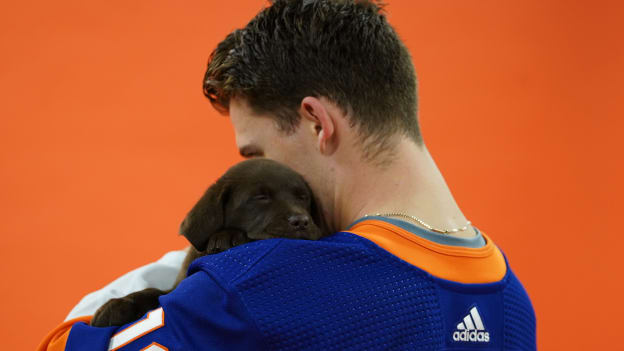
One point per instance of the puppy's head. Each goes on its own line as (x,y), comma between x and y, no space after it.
(259,197)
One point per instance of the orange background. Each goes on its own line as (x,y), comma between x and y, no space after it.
(106,141)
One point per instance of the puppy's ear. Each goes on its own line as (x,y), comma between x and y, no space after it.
(206,217)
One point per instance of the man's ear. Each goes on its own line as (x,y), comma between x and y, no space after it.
(321,123)
(206,217)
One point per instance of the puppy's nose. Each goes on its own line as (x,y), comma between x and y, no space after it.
(298,221)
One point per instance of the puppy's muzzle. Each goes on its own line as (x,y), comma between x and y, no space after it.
(299,222)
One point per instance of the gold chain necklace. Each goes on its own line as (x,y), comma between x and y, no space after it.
(398,214)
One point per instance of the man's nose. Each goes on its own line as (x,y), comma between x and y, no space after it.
(299,221)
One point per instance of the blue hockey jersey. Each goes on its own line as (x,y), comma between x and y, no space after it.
(376,286)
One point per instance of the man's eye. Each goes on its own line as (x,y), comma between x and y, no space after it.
(250,152)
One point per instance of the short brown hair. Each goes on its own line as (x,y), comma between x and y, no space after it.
(344,50)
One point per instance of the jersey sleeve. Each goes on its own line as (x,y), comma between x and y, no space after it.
(200,314)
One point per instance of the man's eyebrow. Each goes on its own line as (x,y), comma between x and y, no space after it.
(249,150)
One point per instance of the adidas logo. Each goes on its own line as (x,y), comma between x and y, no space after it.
(471,329)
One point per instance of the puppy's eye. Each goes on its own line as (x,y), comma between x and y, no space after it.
(261,197)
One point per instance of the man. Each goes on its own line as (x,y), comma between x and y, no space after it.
(328,88)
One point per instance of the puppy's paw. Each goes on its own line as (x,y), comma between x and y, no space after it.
(226,239)
(123,310)
(116,312)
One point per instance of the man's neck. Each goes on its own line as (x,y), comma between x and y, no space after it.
(411,184)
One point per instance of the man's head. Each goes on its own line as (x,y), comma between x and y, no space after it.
(343,50)
(317,85)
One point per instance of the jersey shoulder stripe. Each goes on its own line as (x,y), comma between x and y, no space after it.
(455,263)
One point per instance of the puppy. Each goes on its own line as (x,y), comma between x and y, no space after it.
(255,199)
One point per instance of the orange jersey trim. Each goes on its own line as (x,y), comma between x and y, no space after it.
(154,346)
(456,263)
(56,340)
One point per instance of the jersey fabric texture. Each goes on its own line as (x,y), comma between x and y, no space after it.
(373,287)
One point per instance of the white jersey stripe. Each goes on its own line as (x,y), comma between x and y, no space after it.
(154,320)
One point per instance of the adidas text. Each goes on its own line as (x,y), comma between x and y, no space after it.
(471,335)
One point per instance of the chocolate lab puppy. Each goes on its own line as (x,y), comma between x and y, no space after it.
(255,199)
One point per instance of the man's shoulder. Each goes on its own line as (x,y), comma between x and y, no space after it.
(277,255)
